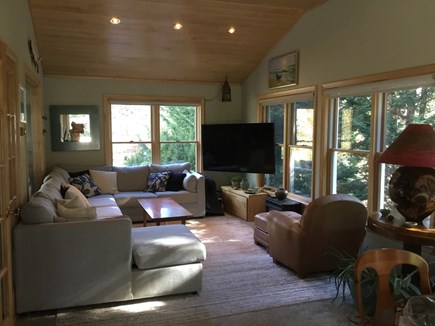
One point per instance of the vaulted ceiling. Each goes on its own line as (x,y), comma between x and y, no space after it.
(75,37)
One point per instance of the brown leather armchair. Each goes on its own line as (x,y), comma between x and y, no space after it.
(304,243)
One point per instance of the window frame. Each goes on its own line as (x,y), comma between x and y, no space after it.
(287,99)
(379,91)
(155,102)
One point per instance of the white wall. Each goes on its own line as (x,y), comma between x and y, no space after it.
(72,91)
(16,28)
(344,39)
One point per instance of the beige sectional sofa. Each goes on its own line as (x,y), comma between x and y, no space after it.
(92,254)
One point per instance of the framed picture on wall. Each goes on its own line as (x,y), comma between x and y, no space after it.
(74,127)
(283,70)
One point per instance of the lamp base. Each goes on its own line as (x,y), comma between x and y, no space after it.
(413,191)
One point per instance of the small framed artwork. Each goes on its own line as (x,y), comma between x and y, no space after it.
(283,70)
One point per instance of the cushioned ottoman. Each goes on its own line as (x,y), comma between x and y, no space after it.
(261,236)
(171,254)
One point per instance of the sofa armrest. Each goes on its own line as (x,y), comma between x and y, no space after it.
(285,234)
(69,264)
(200,189)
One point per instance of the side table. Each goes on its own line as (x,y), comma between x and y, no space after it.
(283,205)
(412,237)
(238,203)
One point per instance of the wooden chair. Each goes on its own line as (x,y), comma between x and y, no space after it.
(383,261)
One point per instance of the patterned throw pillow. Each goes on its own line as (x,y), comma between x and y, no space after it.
(157,181)
(86,185)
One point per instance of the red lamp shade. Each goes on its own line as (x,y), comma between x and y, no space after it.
(415,146)
(412,186)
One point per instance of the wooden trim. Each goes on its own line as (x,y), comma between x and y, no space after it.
(154,99)
(142,80)
(296,91)
(200,114)
(38,126)
(384,76)
(319,139)
(155,135)
(107,125)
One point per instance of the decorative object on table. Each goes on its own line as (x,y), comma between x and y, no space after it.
(235,181)
(420,310)
(281,194)
(251,191)
(244,184)
(412,186)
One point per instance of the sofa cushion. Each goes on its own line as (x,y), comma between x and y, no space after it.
(173,167)
(105,180)
(175,181)
(38,210)
(168,245)
(102,201)
(86,185)
(58,173)
(157,181)
(108,212)
(50,190)
(132,178)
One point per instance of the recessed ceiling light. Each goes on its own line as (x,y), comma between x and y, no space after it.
(232,30)
(115,20)
(178,26)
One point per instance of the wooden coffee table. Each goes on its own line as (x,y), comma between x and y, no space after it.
(163,210)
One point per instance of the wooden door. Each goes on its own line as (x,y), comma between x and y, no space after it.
(8,178)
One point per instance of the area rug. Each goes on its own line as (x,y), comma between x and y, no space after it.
(239,277)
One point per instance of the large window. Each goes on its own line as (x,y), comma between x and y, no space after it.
(293,119)
(146,132)
(404,106)
(350,145)
(364,120)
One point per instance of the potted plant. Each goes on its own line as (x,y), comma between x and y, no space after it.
(235,181)
(401,285)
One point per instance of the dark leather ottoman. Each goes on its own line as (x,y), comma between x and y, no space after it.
(261,236)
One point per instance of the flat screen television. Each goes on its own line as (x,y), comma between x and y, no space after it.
(238,147)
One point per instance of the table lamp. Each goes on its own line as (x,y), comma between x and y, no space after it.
(412,185)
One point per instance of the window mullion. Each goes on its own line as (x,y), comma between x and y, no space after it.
(286,147)
(155,133)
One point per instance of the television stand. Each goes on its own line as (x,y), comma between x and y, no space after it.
(245,206)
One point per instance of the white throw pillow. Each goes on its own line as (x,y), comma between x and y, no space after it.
(72,192)
(75,214)
(189,182)
(72,203)
(105,180)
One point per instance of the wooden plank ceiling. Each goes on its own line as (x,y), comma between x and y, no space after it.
(75,38)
